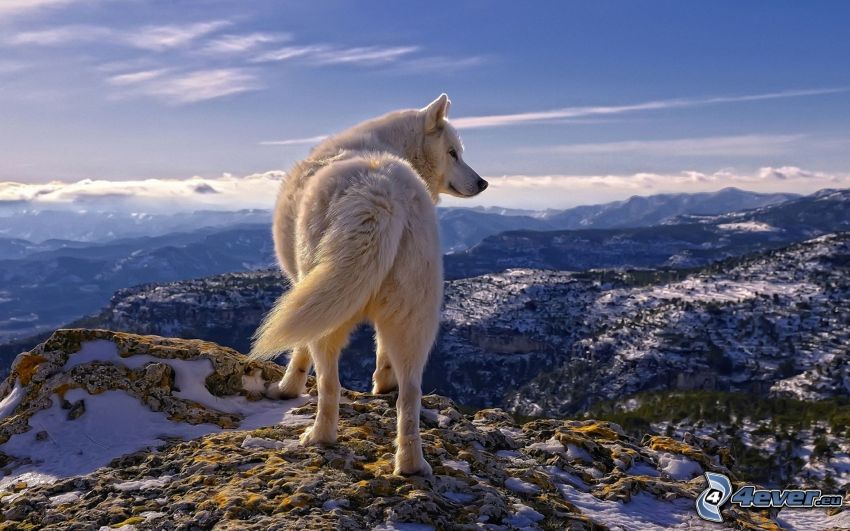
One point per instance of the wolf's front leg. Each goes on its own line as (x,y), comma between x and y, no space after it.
(409,458)
(294,382)
(407,349)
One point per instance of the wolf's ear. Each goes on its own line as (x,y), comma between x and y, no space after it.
(436,112)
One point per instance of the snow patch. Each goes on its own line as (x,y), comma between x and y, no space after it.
(808,519)
(10,403)
(639,468)
(552,446)
(524,517)
(678,466)
(143,484)
(644,511)
(577,452)
(747,226)
(116,424)
(520,486)
(67,497)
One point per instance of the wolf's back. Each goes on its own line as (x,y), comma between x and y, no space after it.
(354,256)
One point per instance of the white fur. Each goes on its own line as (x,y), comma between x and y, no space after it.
(355,230)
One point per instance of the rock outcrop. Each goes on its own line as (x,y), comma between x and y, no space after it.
(100,428)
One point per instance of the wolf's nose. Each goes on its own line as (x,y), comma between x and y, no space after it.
(482,185)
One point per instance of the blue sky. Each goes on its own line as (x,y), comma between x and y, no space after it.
(559,103)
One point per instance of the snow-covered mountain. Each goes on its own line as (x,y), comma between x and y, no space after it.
(683,241)
(775,323)
(463,228)
(643,211)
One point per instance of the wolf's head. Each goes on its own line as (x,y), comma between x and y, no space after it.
(441,162)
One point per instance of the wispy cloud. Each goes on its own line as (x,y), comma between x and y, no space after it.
(187,87)
(240,44)
(743,145)
(18,7)
(288,52)
(294,141)
(134,78)
(159,38)
(61,35)
(153,38)
(502,120)
(324,54)
(365,55)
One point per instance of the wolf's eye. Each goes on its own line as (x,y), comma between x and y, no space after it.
(453,153)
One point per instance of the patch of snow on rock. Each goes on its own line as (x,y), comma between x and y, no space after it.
(8,404)
(679,467)
(524,517)
(552,446)
(644,511)
(143,484)
(520,486)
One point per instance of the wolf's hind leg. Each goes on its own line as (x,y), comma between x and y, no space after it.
(294,382)
(325,353)
(384,377)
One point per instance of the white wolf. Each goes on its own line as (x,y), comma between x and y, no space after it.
(355,230)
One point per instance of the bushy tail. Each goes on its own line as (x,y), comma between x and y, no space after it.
(355,255)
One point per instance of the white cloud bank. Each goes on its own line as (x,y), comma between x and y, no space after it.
(230,192)
(561,191)
(227,192)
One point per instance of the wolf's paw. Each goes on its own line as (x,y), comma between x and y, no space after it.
(314,437)
(285,390)
(384,381)
(412,467)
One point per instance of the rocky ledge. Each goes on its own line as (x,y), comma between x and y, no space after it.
(100,428)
